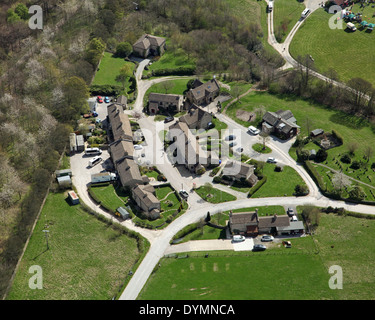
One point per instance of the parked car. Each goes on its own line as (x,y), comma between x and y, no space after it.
(138,147)
(253,130)
(267,238)
(287,244)
(230,137)
(294,218)
(100,99)
(271,160)
(290,212)
(259,247)
(168,119)
(184,194)
(238,238)
(232,144)
(239,149)
(107,100)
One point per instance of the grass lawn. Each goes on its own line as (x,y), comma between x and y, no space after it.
(278,184)
(217,196)
(178,86)
(298,273)
(260,148)
(171,59)
(108,69)
(350,54)
(110,196)
(286,13)
(351,128)
(86,260)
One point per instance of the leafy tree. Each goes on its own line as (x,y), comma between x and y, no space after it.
(357,193)
(94,51)
(22,11)
(124,49)
(12,16)
(125,74)
(321,155)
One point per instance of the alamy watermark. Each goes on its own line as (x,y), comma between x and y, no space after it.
(336,21)
(36,21)
(36,280)
(336,281)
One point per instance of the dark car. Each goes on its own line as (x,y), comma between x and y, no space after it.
(184,194)
(259,247)
(168,119)
(230,137)
(232,144)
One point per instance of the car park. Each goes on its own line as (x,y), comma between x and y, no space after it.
(271,160)
(238,238)
(259,247)
(253,130)
(267,238)
(168,119)
(184,194)
(107,100)
(94,161)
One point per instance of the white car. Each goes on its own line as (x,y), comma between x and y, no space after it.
(267,238)
(253,130)
(238,238)
(138,147)
(271,160)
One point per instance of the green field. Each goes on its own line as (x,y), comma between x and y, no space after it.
(286,13)
(110,197)
(214,195)
(109,68)
(299,273)
(86,260)
(350,54)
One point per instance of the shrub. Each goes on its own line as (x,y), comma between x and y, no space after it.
(355,165)
(217,179)
(257,186)
(346,158)
(321,155)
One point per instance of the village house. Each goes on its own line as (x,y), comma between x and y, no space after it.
(149,45)
(239,171)
(251,225)
(145,198)
(203,93)
(188,150)
(119,123)
(197,118)
(281,123)
(164,103)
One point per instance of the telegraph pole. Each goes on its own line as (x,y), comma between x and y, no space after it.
(46,233)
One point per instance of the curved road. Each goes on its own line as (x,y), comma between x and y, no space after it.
(198,208)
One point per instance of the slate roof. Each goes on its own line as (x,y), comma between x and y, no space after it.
(245,218)
(121,149)
(205,88)
(234,168)
(194,115)
(147,40)
(145,193)
(284,121)
(128,172)
(274,221)
(120,123)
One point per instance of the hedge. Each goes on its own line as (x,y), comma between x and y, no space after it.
(105,90)
(337,136)
(180,71)
(257,186)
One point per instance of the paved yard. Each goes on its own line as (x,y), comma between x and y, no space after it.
(246,245)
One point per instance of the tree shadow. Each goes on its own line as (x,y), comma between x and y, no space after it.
(348,120)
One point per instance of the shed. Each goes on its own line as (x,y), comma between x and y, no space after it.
(64,181)
(80,143)
(64,172)
(123,213)
(73,197)
(316,132)
(312,154)
(295,227)
(73,142)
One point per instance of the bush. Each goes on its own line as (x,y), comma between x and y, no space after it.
(217,179)
(355,165)
(257,186)
(105,90)
(321,155)
(346,158)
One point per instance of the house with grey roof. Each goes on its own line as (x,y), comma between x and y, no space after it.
(240,171)
(145,198)
(197,118)
(149,45)
(164,103)
(119,123)
(204,93)
(281,123)
(187,149)
(251,224)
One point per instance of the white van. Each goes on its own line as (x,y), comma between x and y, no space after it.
(305,13)
(351,26)
(92,151)
(94,161)
(238,238)
(270,6)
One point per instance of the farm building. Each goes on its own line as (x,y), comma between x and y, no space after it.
(73,198)
(80,143)
(64,181)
